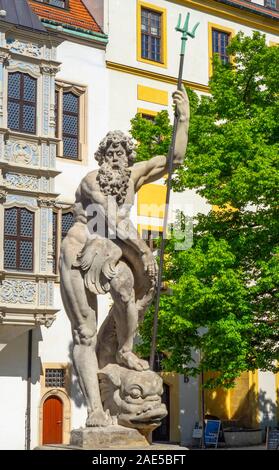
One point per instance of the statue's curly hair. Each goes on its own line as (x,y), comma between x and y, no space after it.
(116,137)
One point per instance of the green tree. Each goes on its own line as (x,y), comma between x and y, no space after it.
(224,299)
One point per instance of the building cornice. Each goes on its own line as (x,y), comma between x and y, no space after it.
(154,76)
(98,40)
(234,13)
(29,170)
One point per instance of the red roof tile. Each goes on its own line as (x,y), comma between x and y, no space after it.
(77,15)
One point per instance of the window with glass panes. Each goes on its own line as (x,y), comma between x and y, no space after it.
(22,97)
(220,41)
(274,4)
(18,239)
(70,123)
(66,223)
(55,3)
(151,35)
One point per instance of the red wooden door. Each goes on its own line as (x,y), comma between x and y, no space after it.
(52,420)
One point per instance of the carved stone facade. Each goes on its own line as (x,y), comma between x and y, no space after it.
(27,173)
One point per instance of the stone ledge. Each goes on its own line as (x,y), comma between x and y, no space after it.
(108,437)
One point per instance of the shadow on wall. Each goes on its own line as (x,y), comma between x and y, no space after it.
(76,393)
(14,357)
(269,410)
(240,407)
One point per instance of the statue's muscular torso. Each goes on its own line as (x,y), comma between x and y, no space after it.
(89,192)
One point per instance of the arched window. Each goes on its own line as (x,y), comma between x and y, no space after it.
(22,97)
(18,239)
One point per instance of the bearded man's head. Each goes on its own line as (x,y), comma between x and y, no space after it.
(113,140)
(115,155)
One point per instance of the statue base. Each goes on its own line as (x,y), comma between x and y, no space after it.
(108,437)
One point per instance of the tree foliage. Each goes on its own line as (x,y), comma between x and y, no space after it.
(224,300)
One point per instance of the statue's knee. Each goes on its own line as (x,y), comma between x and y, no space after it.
(85,335)
(123,283)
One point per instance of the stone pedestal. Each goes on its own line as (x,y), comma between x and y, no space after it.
(110,437)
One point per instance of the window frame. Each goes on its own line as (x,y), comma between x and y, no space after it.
(222,29)
(81,92)
(47,2)
(149,239)
(147,112)
(163,48)
(18,238)
(276,8)
(22,102)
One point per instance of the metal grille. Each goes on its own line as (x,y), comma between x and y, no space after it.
(70,125)
(29,89)
(26,223)
(11,221)
(70,102)
(220,41)
(70,147)
(151,35)
(56,112)
(67,223)
(10,254)
(54,242)
(26,251)
(18,239)
(55,378)
(22,91)
(14,85)
(13,115)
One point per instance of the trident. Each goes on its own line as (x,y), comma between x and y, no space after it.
(185,35)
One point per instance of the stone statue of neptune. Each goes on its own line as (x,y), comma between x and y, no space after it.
(103,253)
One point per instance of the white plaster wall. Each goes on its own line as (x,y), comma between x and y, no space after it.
(189,408)
(267,399)
(13,393)
(123,51)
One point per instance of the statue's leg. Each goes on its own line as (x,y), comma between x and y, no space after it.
(126,317)
(81,307)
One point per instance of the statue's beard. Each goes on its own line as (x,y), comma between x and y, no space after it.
(114,182)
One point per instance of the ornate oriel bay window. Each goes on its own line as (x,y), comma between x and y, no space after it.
(27,172)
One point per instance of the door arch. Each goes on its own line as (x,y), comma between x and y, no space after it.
(162,433)
(52,420)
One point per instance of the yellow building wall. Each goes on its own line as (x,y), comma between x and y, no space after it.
(151,200)
(239,404)
(153,95)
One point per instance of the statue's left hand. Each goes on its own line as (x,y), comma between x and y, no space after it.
(181,102)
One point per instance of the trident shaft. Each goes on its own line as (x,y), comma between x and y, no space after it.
(185,35)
